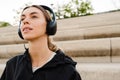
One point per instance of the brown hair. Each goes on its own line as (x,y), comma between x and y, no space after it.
(48,18)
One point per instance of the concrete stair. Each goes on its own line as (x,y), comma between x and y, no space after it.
(92,41)
(99,71)
(80,48)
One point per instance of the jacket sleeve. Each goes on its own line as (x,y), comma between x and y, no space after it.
(7,73)
(76,76)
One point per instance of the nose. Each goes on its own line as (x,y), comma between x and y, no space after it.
(26,21)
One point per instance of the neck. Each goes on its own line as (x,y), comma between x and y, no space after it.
(39,51)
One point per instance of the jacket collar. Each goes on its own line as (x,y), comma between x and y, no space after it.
(59,59)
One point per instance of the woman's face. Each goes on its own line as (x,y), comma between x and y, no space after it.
(33,23)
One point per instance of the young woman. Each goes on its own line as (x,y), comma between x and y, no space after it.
(42,60)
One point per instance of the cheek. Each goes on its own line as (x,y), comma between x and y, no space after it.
(41,26)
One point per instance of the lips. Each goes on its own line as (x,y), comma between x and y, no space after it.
(27,29)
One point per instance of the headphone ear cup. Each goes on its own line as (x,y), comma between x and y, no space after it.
(51,28)
(51,25)
(19,32)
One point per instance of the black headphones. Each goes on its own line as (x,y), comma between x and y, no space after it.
(51,27)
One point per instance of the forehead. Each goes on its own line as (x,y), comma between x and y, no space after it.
(31,10)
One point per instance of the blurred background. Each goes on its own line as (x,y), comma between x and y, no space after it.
(14,7)
(88,31)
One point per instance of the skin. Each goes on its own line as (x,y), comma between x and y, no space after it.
(33,29)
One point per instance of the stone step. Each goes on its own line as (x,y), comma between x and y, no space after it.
(65,35)
(95,20)
(99,71)
(12,39)
(98,59)
(8,29)
(88,33)
(89,21)
(76,48)
(94,71)
(92,47)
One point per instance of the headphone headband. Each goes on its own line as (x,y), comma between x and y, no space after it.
(50,10)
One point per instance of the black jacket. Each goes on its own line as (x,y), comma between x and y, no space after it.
(61,67)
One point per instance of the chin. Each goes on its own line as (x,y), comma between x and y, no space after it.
(27,38)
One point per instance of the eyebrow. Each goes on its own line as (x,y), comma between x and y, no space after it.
(23,15)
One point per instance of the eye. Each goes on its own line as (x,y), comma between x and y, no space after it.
(34,16)
(22,19)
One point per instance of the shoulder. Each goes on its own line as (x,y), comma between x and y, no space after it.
(68,66)
(11,65)
(14,60)
(72,72)
(65,61)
